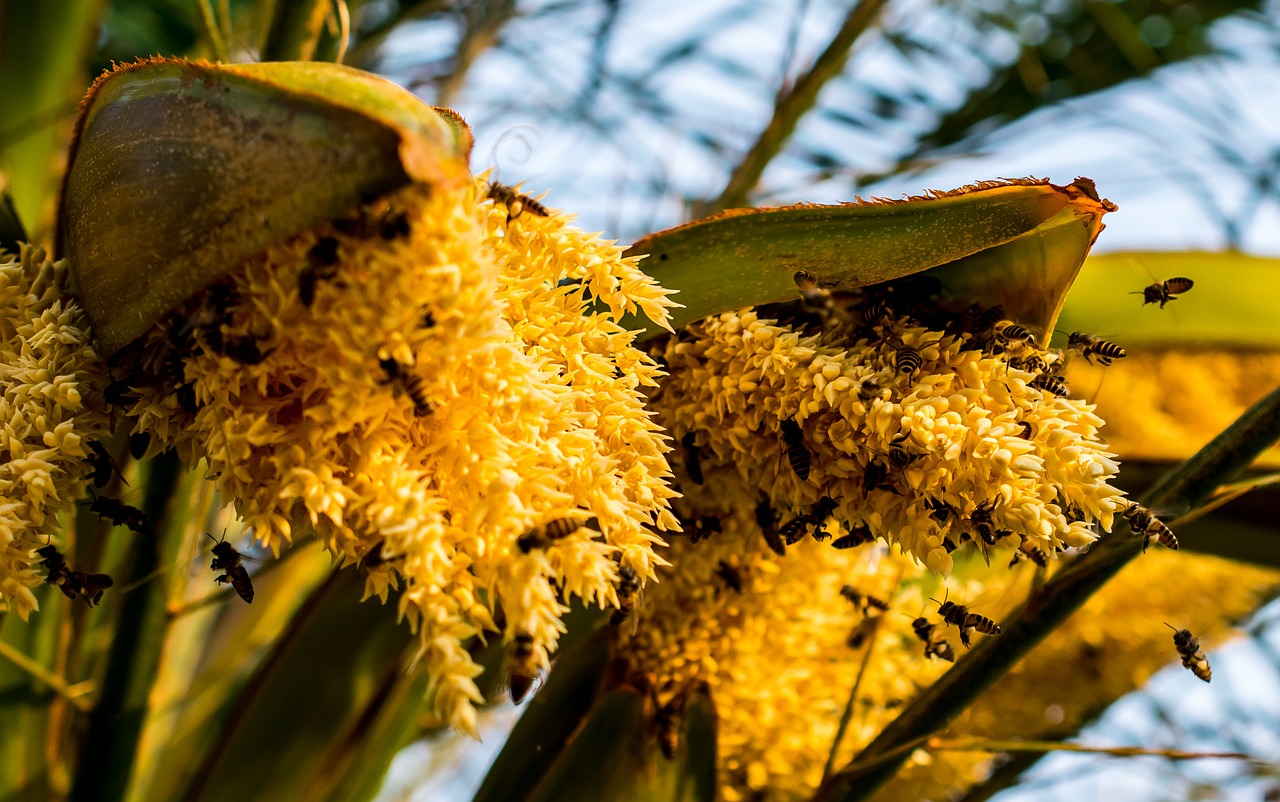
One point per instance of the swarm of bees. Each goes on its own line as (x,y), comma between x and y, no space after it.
(1162,292)
(227,560)
(73,584)
(1193,657)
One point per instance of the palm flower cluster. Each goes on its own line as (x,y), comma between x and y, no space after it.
(829,457)
(51,413)
(438,388)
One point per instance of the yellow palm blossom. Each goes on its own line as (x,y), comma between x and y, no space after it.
(421,384)
(50,409)
(753,607)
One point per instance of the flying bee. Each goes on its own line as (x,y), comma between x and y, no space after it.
(1050,383)
(817,516)
(1089,346)
(1143,522)
(935,644)
(1029,551)
(227,560)
(101,463)
(767,520)
(73,584)
(907,361)
(1193,657)
(628,591)
(811,290)
(692,458)
(413,385)
(1012,335)
(121,514)
(516,203)
(1162,292)
(730,575)
(542,536)
(703,527)
(863,602)
(322,264)
(861,631)
(959,616)
(521,666)
(856,537)
(796,448)
(869,390)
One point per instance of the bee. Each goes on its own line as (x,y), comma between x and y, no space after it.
(516,203)
(1026,430)
(767,520)
(703,527)
(817,516)
(1050,383)
(863,602)
(876,477)
(413,385)
(959,616)
(983,522)
(861,631)
(906,361)
(692,458)
(556,529)
(73,584)
(899,456)
(1143,522)
(121,514)
(811,290)
(1029,551)
(1011,335)
(666,722)
(730,575)
(628,590)
(869,390)
(876,309)
(245,349)
(101,463)
(1032,363)
(856,537)
(1089,346)
(797,451)
(1162,292)
(322,264)
(118,394)
(395,226)
(1193,657)
(227,560)
(939,510)
(935,644)
(977,320)
(521,667)
(373,220)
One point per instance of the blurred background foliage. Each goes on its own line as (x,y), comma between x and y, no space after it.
(641,115)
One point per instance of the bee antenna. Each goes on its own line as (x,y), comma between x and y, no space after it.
(1139,292)
(1171,626)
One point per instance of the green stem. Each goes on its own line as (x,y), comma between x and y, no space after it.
(793,105)
(45,676)
(1191,483)
(295,30)
(115,723)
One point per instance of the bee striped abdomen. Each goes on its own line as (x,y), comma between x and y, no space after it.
(797,450)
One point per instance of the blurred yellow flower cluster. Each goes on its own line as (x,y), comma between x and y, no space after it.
(50,411)
(438,387)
